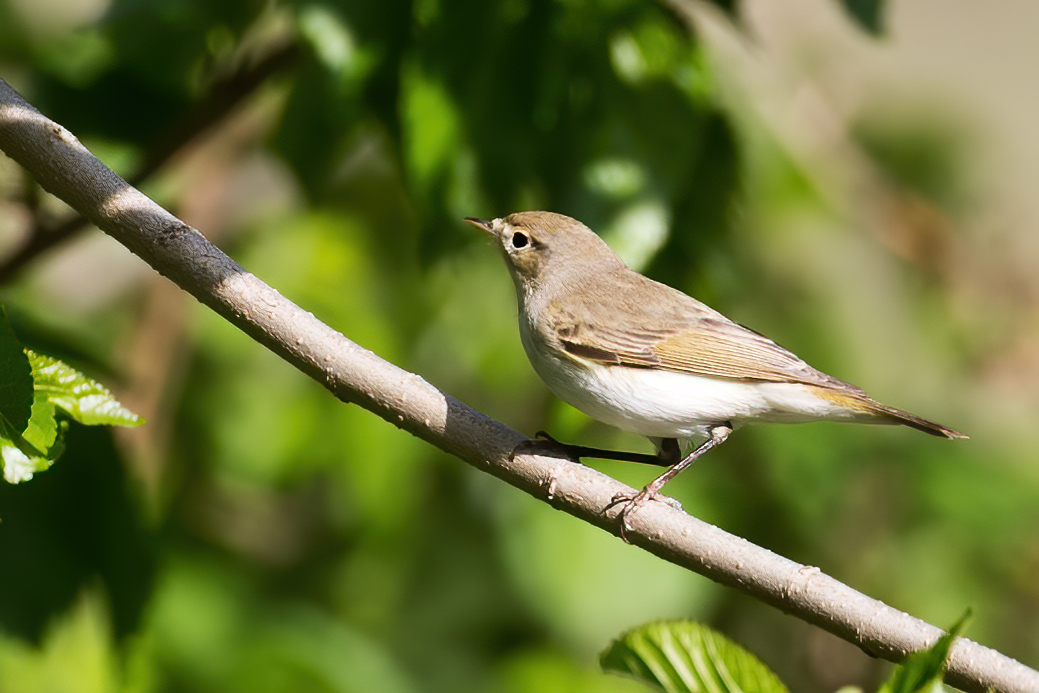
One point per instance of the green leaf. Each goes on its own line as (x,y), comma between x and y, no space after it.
(85,400)
(922,671)
(867,13)
(20,456)
(18,466)
(21,461)
(687,656)
(34,445)
(43,428)
(16,393)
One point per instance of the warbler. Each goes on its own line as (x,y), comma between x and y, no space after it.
(646,358)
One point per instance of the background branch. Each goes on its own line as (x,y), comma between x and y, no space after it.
(66,169)
(221,98)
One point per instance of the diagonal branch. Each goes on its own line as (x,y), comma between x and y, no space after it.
(66,169)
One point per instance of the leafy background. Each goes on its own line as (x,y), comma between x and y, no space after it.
(857,182)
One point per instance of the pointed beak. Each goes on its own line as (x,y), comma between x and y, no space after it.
(485,226)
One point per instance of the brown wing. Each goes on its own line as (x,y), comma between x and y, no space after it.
(708,348)
(678,333)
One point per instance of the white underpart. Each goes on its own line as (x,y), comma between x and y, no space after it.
(669,404)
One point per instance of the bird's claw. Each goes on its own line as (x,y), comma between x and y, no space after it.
(633,503)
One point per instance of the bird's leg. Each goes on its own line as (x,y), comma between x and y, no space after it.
(717,436)
(669,451)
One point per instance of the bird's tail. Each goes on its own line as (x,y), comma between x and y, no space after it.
(913,421)
(865,408)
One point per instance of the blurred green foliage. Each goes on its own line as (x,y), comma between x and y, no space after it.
(258,535)
(868,13)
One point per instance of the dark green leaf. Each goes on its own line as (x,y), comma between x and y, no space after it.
(76,528)
(687,656)
(16,382)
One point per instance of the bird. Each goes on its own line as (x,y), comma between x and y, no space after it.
(647,358)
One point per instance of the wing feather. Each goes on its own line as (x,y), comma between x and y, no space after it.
(686,336)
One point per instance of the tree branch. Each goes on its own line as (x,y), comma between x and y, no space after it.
(66,169)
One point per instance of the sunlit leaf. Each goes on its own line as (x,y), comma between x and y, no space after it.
(85,400)
(681,656)
(36,449)
(58,388)
(21,460)
(18,466)
(44,428)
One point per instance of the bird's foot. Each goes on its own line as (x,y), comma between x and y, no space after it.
(631,503)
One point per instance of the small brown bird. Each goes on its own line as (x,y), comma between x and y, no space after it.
(641,356)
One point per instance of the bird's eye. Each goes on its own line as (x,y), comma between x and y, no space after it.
(520,240)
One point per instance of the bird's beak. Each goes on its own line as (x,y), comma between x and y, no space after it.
(485,226)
